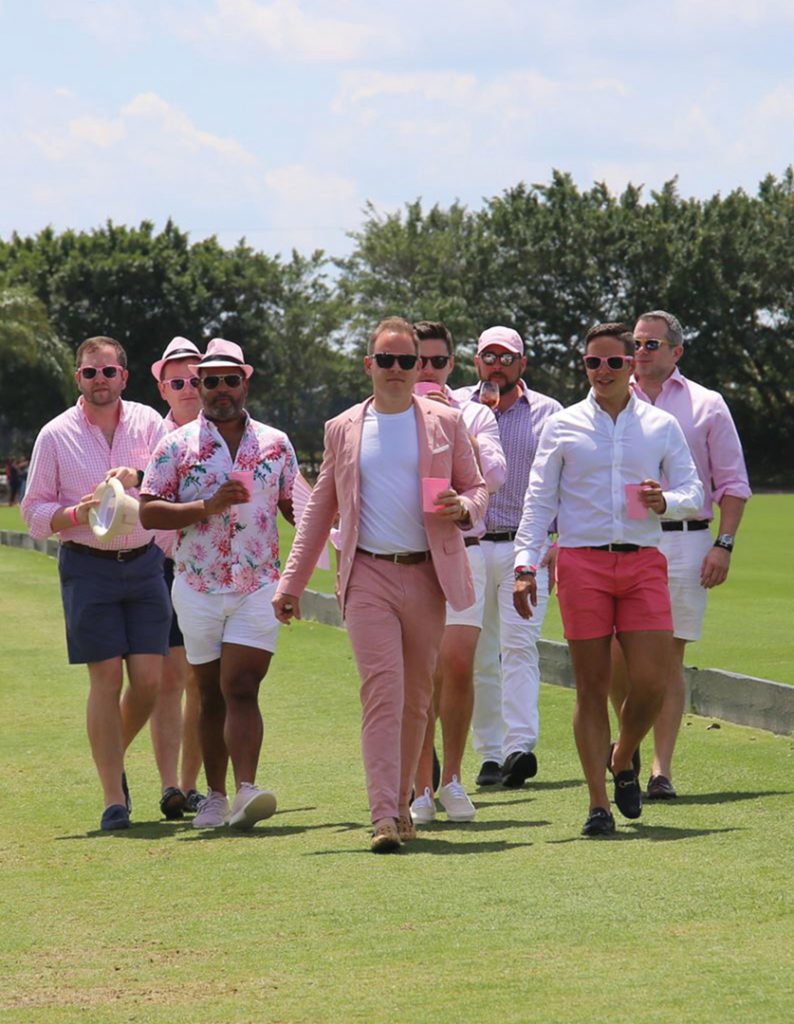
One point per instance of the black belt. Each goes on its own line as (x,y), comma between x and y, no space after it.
(471,541)
(407,558)
(503,535)
(686,524)
(621,549)
(122,555)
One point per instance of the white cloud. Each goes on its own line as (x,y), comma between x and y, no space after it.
(114,23)
(98,131)
(281,27)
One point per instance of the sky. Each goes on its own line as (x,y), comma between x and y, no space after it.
(279,120)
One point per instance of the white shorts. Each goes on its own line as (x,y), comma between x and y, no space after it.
(685,552)
(210,620)
(472,616)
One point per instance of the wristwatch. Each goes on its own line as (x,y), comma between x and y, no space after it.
(525,570)
(724,541)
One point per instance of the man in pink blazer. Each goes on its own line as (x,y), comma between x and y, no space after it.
(398,563)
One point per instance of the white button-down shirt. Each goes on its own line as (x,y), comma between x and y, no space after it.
(583,462)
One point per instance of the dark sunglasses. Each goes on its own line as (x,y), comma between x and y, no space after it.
(231,380)
(650,344)
(177,383)
(386,360)
(437,362)
(89,372)
(613,362)
(505,358)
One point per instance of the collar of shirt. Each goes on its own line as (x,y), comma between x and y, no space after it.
(676,379)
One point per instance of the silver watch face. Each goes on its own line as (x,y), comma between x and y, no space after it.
(725,538)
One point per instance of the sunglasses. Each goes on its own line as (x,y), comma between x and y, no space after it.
(650,344)
(231,380)
(89,372)
(505,358)
(613,362)
(437,362)
(386,360)
(177,383)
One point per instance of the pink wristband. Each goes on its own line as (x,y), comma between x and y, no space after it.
(72,513)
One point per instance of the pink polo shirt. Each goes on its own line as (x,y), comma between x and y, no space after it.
(71,458)
(711,435)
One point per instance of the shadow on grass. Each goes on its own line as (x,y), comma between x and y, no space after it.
(435,827)
(650,833)
(529,787)
(434,846)
(724,798)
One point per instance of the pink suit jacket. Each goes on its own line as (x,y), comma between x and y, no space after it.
(444,451)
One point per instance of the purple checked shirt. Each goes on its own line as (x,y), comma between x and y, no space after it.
(711,435)
(519,431)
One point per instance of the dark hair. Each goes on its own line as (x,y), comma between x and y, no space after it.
(397,324)
(93,344)
(434,330)
(618,331)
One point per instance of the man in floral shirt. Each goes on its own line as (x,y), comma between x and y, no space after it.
(219,482)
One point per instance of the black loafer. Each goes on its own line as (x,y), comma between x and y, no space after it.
(114,817)
(599,823)
(635,760)
(172,803)
(628,796)
(519,767)
(661,788)
(490,774)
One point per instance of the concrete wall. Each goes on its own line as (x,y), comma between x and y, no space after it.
(744,700)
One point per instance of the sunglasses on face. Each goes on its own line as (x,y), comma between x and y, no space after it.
(386,360)
(505,358)
(437,362)
(89,372)
(650,344)
(177,383)
(613,362)
(231,380)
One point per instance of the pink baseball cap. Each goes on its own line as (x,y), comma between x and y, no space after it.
(501,337)
(177,348)
(222,353)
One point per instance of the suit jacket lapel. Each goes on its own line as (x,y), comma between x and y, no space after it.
(425,428)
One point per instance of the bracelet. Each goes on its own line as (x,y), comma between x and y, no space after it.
(72,513)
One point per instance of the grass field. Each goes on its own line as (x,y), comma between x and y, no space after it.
(748,622)
(684,917)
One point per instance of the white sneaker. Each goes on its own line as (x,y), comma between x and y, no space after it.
(250,806)
(423,809)
(455,802)
(212,811)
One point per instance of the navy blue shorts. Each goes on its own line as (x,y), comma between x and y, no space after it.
(175,638)
(113,609)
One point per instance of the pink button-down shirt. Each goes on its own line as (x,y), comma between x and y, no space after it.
(71,458)
(711,435)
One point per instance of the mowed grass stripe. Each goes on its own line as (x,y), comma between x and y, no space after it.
(512,918)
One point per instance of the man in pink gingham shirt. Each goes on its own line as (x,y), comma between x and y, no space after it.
(695,564)
(114,597)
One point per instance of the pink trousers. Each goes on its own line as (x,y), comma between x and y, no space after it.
(395,620)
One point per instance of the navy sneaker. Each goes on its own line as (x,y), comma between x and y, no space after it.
(113,817)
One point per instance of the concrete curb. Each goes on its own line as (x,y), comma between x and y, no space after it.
(712,693)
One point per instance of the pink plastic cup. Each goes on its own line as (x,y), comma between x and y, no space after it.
(634,507)
(424,387)
(432,486)
(245,477)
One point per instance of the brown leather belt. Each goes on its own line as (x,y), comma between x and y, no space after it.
(408,558)
(471,541)
(122,555)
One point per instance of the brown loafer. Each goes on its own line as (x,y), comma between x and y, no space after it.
(385,838)
(406,828)
(661,788)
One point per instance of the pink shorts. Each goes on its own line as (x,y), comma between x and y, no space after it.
(601,592)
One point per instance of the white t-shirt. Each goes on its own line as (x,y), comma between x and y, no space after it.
(391,518)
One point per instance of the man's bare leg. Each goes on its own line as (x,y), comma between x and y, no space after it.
(591,667)
(144,672)
(166,721)
(212,719)
(456,699)
(191,741)
(668,721)
(648,656)
(242,669)
(103,722)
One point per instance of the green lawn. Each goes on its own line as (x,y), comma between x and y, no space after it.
(685,918)
(748,622)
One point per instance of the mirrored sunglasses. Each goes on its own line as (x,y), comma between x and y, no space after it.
(505,358)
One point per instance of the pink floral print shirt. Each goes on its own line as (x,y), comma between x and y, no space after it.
(237,550)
